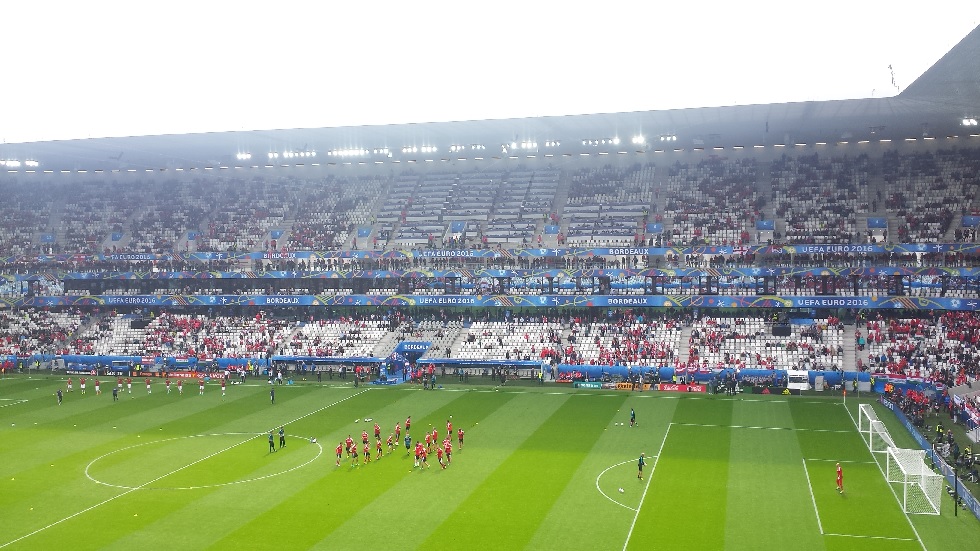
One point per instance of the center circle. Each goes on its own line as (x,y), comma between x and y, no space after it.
(202,460)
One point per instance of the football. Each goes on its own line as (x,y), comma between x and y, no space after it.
(620,490)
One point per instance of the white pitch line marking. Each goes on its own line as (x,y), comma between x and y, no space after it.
(232,483)
(761,428)
(853,461)
(647,487)
(885,477)
(869,537)
(604,493)
(175,471)
(812,497)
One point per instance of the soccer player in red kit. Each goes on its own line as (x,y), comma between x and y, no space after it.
(377,431)
(435,437)
(378,449)
(129,385)
(439,457)
(69,384)
(340,450)
(449,451)
(398,432)
(98,388)
(367,453)
(223,383)
(350,444)
(391,446)
(180,386)
(148,391)
(364,437)
(840,479)
(408,424)
(425,458)
(168,385)
(81,384)
(119,382)
(449,427)
(200,386)
(418,453)
(428,440)
(459,438)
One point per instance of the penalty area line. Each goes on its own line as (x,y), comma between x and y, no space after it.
(869,537)
(813,498)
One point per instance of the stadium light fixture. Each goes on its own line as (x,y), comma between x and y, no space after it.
(243,156)
(10,163)
(639,140)
(969,121)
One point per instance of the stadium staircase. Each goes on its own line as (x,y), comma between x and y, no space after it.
(55,219)
(561,198)
(767,212)
(386,345)
(684,354)
(850,350)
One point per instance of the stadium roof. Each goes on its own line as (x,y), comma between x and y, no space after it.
(934,105)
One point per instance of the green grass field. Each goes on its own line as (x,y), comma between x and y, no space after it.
(541,469)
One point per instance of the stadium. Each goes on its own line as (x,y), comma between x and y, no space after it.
(660,329)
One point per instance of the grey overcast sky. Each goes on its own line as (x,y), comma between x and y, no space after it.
(122,68)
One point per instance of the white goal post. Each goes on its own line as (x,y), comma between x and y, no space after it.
(921,488)
(873,431)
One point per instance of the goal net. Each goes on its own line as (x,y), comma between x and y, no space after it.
(873,430)
(921,487)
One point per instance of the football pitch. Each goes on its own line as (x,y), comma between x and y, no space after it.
(541,468)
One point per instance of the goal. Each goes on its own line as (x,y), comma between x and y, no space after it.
(921,487)
(873,430)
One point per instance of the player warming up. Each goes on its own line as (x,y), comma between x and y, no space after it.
(840,479)
(639,464)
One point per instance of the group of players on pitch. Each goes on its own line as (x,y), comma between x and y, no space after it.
(443,449)
(128,382)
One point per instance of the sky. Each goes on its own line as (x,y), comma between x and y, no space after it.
(129,68)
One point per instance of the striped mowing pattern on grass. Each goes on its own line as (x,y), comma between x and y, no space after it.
(537,472)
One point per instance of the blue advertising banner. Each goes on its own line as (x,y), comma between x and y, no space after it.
(364,232)
(765,225)
(971,221)
(931,275)
(509,301)
(763,250)
(877,223)
(656,228)
(551,229)
(275,234)
(116,236)
(47,238)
